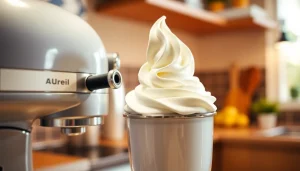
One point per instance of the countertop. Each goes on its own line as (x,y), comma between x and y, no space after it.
(251,135)
(44,161)
(221,133)
(49,161)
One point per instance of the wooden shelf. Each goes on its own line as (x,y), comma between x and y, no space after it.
(253,17)
(183,17)
(179,15)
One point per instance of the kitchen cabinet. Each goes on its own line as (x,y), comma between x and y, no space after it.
(216,161)
(258,153)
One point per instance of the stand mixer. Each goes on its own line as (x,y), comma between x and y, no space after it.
(53,67)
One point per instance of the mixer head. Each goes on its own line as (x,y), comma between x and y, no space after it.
(53,67)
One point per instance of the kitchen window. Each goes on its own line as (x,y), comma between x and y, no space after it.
(287,56)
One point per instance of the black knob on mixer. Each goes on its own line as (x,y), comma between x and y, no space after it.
(112,79)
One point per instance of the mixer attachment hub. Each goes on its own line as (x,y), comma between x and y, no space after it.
(112,79)
(72,125)
(73,131)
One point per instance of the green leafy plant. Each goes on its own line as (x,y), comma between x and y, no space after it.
(264,106)
(294,91)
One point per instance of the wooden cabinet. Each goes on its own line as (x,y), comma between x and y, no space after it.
(256,155)
(217,157)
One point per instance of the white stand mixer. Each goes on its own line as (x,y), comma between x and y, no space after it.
(53,67)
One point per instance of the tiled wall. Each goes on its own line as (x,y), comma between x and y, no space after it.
(216,82)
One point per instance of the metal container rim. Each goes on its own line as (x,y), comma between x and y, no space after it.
(169,116)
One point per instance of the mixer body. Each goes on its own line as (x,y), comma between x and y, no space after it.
(47,54)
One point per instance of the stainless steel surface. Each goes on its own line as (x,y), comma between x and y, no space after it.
(80,82)
(16,107)
(113,61)
(23,125)
(175,116)
(114,79)
(15,150)
(165,140)
(93,104)
(73,131)
(281,131)
(27,106)
(71,121)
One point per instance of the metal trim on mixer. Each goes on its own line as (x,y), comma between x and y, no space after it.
(169,116)
(29,77)
(113,61)
(26,80)
(73,131)
(71,121)
(112,76)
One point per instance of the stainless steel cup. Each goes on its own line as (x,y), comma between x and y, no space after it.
(170,143)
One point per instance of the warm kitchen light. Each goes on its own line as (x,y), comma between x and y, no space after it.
(50,58)
(17,3)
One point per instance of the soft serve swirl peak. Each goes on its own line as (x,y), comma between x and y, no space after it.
(167,84)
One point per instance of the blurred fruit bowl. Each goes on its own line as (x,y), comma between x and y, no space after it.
(231,117)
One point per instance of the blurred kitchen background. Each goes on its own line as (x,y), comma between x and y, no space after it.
(246,53)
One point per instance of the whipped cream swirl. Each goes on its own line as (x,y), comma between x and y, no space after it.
(167,84)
